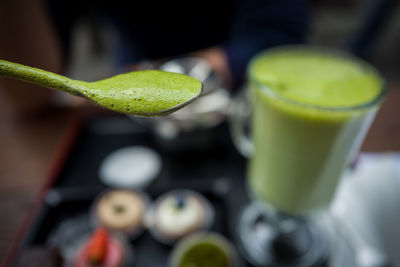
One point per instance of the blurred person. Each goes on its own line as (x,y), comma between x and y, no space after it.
(226,33)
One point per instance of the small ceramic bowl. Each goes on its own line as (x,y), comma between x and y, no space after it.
(177,214)
(121,211)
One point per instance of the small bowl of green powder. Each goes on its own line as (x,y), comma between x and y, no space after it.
(204,249)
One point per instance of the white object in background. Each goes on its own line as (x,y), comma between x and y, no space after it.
(368,201)
(130,167)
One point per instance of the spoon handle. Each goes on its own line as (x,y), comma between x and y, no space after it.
(41,77)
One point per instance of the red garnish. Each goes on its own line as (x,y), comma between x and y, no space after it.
(97,247)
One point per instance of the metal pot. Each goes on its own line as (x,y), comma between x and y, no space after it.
(194,127)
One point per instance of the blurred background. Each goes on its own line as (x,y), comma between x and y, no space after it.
(30,141)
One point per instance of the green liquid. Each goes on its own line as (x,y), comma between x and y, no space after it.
(303,134)
(316,78)
(205,255)
(145,92)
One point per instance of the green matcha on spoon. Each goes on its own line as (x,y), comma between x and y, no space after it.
(139,93)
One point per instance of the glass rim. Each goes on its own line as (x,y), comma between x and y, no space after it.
(327,51)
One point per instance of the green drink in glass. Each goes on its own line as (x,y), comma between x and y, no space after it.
(311,111)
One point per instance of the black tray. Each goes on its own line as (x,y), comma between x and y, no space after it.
(203,171)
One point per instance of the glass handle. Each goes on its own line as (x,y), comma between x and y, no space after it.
(239,121)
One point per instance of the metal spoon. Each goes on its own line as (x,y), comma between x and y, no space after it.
(139,93)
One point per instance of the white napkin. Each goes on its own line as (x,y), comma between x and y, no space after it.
(368,199)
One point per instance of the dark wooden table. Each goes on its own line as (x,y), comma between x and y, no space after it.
(28,148)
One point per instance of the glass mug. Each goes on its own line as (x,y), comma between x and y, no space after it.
(298,149)
(301,149)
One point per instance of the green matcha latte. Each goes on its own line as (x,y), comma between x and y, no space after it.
(312,109)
